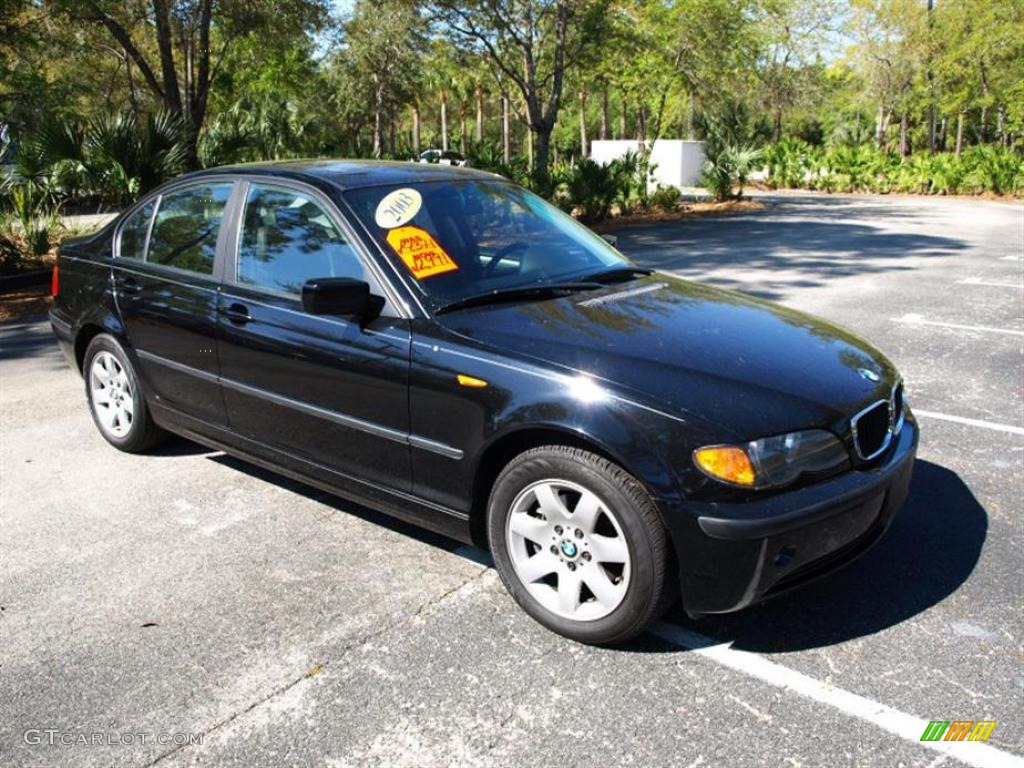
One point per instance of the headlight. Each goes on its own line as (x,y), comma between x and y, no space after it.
(772,461)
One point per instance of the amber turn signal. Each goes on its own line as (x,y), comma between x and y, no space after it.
(726,462)
(471,381)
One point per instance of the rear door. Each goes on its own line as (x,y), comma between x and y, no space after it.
(329,390)
(166,286)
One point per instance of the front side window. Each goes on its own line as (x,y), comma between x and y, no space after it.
(287,239)
(134,232)
(185,230)
(462,238)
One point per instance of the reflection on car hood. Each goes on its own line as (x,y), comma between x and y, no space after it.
(747,365)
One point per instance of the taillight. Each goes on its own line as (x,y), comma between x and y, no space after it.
(55,281)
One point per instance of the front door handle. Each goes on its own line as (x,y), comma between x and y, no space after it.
(129,285)
(237,313)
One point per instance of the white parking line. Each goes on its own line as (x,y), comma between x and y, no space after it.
(907,727)
(992,283)
(971,422)
(913,319)
(1011,258)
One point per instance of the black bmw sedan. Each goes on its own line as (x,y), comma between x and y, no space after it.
(444,346)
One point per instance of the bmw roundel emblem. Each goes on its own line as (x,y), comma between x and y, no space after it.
(867,373)
(568,548)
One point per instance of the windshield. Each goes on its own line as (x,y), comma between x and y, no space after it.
(462,238)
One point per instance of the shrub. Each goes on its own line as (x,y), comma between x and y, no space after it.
(729,167)
(109,160)
(590,188)
(666,199)
(994,169)
(30,230)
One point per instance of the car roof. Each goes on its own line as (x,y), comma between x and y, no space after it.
(349,174)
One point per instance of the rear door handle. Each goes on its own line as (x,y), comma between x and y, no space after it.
(129,285)
(237,313)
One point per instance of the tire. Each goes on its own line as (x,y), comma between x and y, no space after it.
(115,397)
(605,568)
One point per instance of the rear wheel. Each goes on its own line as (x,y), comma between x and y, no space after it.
(579,544)
(115,397)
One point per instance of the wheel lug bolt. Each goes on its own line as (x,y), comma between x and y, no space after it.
(572,566)
(558,530)
(579,534)
(586,556)
(554,550)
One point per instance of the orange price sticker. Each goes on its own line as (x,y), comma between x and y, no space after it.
(420,252)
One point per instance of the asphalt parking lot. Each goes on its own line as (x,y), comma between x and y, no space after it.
(185,592)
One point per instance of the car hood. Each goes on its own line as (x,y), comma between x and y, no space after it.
(749,366)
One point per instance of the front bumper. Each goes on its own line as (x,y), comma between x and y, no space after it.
(733,555)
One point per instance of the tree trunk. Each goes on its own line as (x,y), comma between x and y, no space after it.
(622,116)
(777,126)
(506,148)
(378,118)
(904,135)
(881,123)
(940,138)
(641,124)
(132,95)
(543,149)
(529,149)
(604,114)
(392,132)
(462,128)
(583,124)
(983,135)
(933,121)
(416,130)
(959,133)
(444,120)
(479,116)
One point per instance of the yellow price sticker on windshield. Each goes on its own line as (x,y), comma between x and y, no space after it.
(420,252)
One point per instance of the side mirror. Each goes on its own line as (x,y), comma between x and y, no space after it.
(612,240)
(337,296)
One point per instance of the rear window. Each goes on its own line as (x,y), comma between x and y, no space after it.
(187,224)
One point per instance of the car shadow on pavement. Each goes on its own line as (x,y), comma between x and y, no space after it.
(930,549)
(336,502)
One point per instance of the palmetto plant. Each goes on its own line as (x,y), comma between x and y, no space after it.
(730,167)
(111,159)
(994,169)
(789,162)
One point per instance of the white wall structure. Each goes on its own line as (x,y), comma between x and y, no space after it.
(678,162)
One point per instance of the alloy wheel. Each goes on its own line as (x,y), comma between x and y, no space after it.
(111,393)
(568,550)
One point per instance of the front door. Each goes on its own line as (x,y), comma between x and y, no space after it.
(166,291)
(325,389)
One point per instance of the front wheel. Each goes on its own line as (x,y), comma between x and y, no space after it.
(579,544)
(115,397)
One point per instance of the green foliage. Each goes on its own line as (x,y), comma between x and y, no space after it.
(862,168)
(111,159)
(29,230)
(729,167)
(591,190)
(666,199)
(994,169)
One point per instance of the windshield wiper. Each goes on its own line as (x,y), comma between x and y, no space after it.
(523,292)
(618,274)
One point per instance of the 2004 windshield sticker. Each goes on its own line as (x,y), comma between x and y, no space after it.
(420,252)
